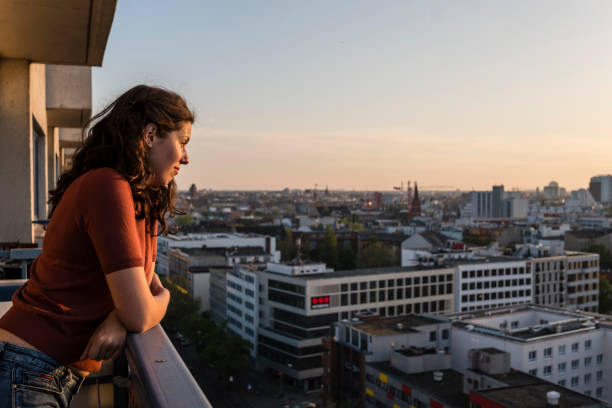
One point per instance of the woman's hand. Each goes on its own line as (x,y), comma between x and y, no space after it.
(108,339)
(156,285)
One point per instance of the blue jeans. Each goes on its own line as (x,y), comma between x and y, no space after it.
(29,378)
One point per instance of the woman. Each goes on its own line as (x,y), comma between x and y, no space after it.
(94,279)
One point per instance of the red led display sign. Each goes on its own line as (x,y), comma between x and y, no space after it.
(319,302)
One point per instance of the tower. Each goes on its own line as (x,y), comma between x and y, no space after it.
(415,208)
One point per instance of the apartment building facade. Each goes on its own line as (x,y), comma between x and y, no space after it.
(298,303)
(571,349)
(492,282)
(46,55)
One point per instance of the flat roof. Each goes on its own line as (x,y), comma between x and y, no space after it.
(389,326)
(571,322)
(448,264)
(534,396)
(449,391)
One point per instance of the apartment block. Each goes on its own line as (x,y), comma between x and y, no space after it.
(415,342)
(298,303)
(570,349)
(491,282)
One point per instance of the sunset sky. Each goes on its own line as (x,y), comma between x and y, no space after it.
(362,94)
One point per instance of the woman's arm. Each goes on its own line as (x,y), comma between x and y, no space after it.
(107,340)
(138,305)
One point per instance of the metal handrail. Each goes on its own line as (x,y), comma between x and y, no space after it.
(161,378)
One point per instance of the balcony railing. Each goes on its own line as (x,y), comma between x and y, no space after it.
(158,377)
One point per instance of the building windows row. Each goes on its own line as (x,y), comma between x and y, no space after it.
(234,298)
(234,285)
(495,284)
(396,283)
(479,297)
(485,273)
(394,294)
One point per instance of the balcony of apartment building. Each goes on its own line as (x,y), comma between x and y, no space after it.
(46,55)
(151,373)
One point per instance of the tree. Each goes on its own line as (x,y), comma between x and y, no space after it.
(605,296)
(605,259)
(181,304)
(225,351)
(346,259)
(376,255)
(184,220)
(329,248)
(287,246)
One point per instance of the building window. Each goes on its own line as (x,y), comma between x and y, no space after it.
(587,361)
(562,350)
(548,353)
(533,372)
(561,367)
(547,371)
(598,392)
(561,383)
(587,378)
(574,381)
(587,344)
(533,355)
(432,336)
(444,334)
(575,364)
(574,347)
(599,375)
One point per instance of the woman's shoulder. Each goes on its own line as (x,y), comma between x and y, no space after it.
(101,182)
(103,174)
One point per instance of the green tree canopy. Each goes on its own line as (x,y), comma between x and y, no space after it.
(605,296)
(376,255)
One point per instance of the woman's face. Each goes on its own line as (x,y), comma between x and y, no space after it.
(166,154)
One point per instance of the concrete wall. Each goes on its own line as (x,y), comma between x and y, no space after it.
(15,151)
(200,289)
(68,95)
(39,151)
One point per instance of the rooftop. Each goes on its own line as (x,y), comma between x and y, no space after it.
(533,322)
(395,325)
(534,396)
(448,264)
(449,391)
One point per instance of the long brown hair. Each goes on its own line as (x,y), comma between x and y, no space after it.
(114,138)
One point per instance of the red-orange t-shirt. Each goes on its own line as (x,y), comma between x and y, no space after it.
(92,232)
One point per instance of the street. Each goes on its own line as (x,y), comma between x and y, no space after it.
(265,388)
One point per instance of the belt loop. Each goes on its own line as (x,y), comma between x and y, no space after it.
(2,346)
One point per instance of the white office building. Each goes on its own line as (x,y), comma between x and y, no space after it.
(492,282)
(568,348)
(242,311)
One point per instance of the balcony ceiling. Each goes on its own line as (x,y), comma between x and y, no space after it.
(70,32)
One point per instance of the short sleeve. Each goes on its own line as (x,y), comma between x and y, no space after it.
(110,220)
(154,244)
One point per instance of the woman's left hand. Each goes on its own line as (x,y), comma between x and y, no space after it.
(107,341)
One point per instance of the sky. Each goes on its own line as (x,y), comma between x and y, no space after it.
(361,94)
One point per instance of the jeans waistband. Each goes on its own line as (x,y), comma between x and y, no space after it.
(37,358)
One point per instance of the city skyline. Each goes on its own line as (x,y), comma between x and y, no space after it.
(353,95)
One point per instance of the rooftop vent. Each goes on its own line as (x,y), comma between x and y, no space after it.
(438,376)
(399,326)
(552,398)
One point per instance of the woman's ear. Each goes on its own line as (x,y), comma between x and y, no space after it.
(150,131)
